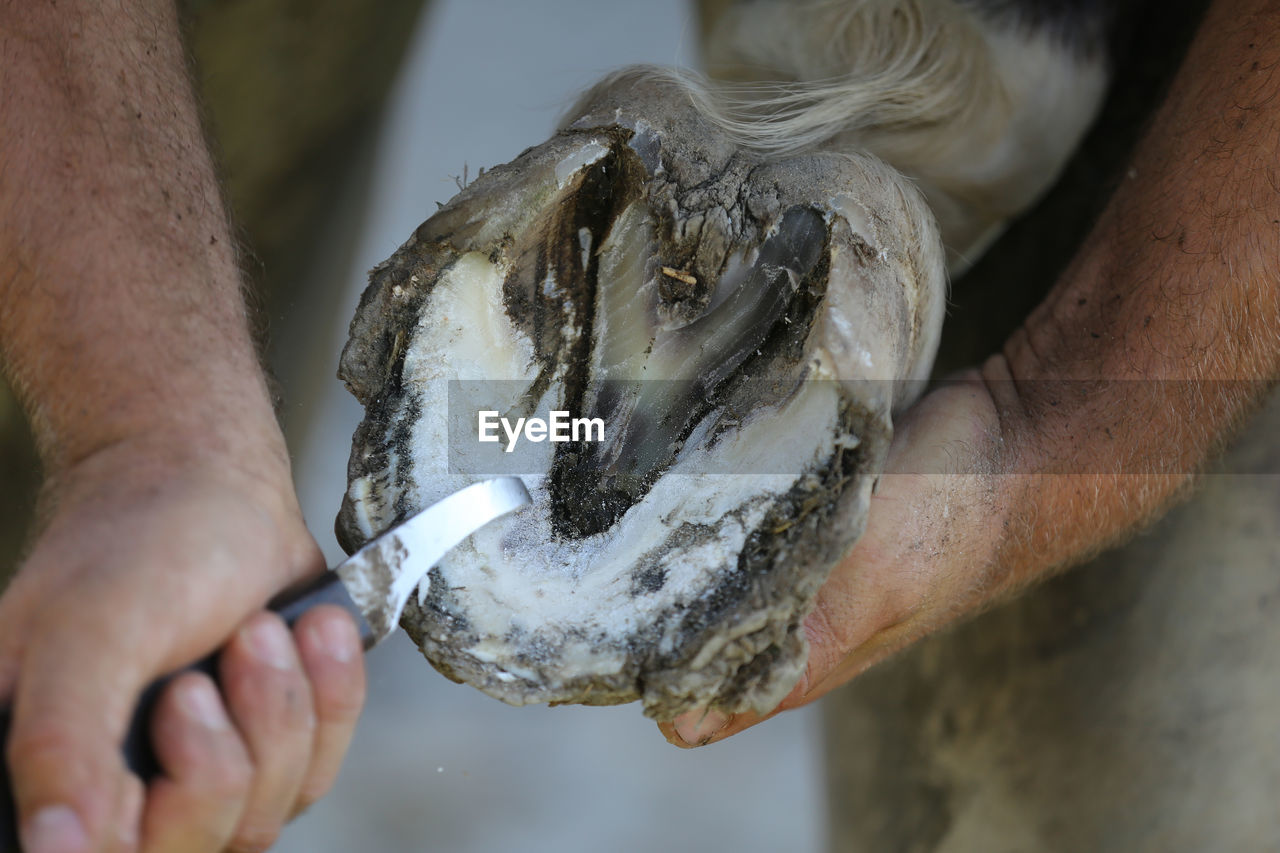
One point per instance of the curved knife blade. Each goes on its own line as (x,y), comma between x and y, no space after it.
(382,575)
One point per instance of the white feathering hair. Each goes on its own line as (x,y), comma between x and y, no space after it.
(834,73)
(980,116)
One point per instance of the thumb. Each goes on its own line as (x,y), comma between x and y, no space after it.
(703,726)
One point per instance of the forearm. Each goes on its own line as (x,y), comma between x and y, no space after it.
(1165,331)
(121,316)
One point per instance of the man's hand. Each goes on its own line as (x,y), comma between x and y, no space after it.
(142,568)
(169,517)
(1161,337)
(937,513)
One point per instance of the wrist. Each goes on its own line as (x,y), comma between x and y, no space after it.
(132,391)
(1087,463)
(248,457)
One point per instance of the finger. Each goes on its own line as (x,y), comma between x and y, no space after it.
(332,657)
(701,727)
(270,700)
(836,656)
(68,775)
(196,805)
(695,728)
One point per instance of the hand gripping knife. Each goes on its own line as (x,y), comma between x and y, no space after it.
(373,585)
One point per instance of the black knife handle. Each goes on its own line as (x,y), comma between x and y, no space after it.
(138,752)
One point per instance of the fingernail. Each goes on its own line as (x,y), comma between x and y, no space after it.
(54,829)
(696,729)
(271,643)
(338,638)
(201,703)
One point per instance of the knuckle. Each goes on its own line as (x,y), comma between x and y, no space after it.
(253,838)
(298,712)
(827,643)
(274,701)
(230,775)
(313,790)
(44,742)
(340,703)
